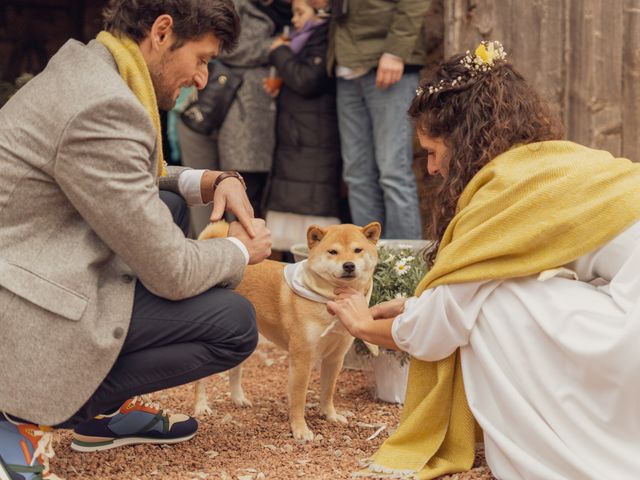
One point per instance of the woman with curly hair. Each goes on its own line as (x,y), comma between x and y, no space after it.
(528,321)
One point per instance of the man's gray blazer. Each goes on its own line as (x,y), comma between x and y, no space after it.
(80,220)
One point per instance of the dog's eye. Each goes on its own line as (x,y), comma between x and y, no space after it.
(333,252)
(358,250)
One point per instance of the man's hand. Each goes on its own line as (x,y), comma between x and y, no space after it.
(351,308)
(258,245)
(388,309)
(229,196)
(390,69)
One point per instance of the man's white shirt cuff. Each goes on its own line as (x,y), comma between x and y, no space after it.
(189,186)
(242,248)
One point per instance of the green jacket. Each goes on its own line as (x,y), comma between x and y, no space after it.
(373,27)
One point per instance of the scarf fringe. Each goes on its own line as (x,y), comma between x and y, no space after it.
(378,471)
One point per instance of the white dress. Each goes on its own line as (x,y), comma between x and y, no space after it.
(551,368)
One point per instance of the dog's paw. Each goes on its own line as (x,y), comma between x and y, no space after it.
(202,410)
(302,433)
(335,417)
(241,401)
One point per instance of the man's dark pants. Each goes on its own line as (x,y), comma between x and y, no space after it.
(171,343)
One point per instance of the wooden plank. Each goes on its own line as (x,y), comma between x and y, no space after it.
(533,34)
(631,81)
(537,45)
(595,74)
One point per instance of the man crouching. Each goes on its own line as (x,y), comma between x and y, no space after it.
(103,298)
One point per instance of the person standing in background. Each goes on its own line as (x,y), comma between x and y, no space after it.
(246,139)
(304,185)
(377,51)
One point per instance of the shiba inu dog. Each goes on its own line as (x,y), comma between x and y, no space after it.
(291,312)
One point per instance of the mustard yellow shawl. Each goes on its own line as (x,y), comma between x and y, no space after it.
(533,208)
(135,73)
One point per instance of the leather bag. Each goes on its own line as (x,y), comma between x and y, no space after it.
(208,111)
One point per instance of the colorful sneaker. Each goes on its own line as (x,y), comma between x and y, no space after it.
(25,451)
(136,421)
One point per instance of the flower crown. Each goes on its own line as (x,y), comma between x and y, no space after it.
(483,59)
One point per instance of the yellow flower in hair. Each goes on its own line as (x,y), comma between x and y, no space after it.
(483,54)
(487,52)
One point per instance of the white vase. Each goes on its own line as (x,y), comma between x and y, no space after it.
(355,361)
(390,376)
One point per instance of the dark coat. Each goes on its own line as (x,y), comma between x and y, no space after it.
(306,174)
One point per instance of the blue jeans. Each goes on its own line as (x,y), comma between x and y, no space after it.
(376,138)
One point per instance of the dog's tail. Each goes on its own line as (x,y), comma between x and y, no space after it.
(219,229)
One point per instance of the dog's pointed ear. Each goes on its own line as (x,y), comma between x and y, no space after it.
(314,235)
(372,232)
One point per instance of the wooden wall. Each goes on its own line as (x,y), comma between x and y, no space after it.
(584,55)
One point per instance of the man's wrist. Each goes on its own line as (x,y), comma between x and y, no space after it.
(211,179)
(206,185)
(392,56)
(225,175)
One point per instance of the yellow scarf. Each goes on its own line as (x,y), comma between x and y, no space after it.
(532,208)
(135,73)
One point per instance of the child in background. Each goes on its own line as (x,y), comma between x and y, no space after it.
(304,186)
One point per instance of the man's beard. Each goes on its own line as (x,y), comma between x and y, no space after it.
(164,92)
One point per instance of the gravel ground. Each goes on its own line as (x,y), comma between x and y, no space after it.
(254,443)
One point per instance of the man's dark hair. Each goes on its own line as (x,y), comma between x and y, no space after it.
(192,19)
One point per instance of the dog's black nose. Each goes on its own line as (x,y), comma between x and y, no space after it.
(349,267)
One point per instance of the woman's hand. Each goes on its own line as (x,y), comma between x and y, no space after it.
(388,309)
(351,308)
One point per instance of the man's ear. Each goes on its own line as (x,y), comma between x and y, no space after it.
(314,235)
(161,30)
(372,232)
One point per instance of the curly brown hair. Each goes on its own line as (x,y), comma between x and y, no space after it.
(192,19)
(483,115)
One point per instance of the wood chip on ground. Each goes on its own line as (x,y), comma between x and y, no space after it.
(254,443)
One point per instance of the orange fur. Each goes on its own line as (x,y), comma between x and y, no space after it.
(298,324)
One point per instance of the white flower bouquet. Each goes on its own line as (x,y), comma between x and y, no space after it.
(397,274)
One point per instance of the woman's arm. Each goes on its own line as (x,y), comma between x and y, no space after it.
(352,310)
(429,327)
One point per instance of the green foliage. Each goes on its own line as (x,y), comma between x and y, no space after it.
(397,274)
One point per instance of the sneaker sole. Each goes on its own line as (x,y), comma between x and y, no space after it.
(121,442)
